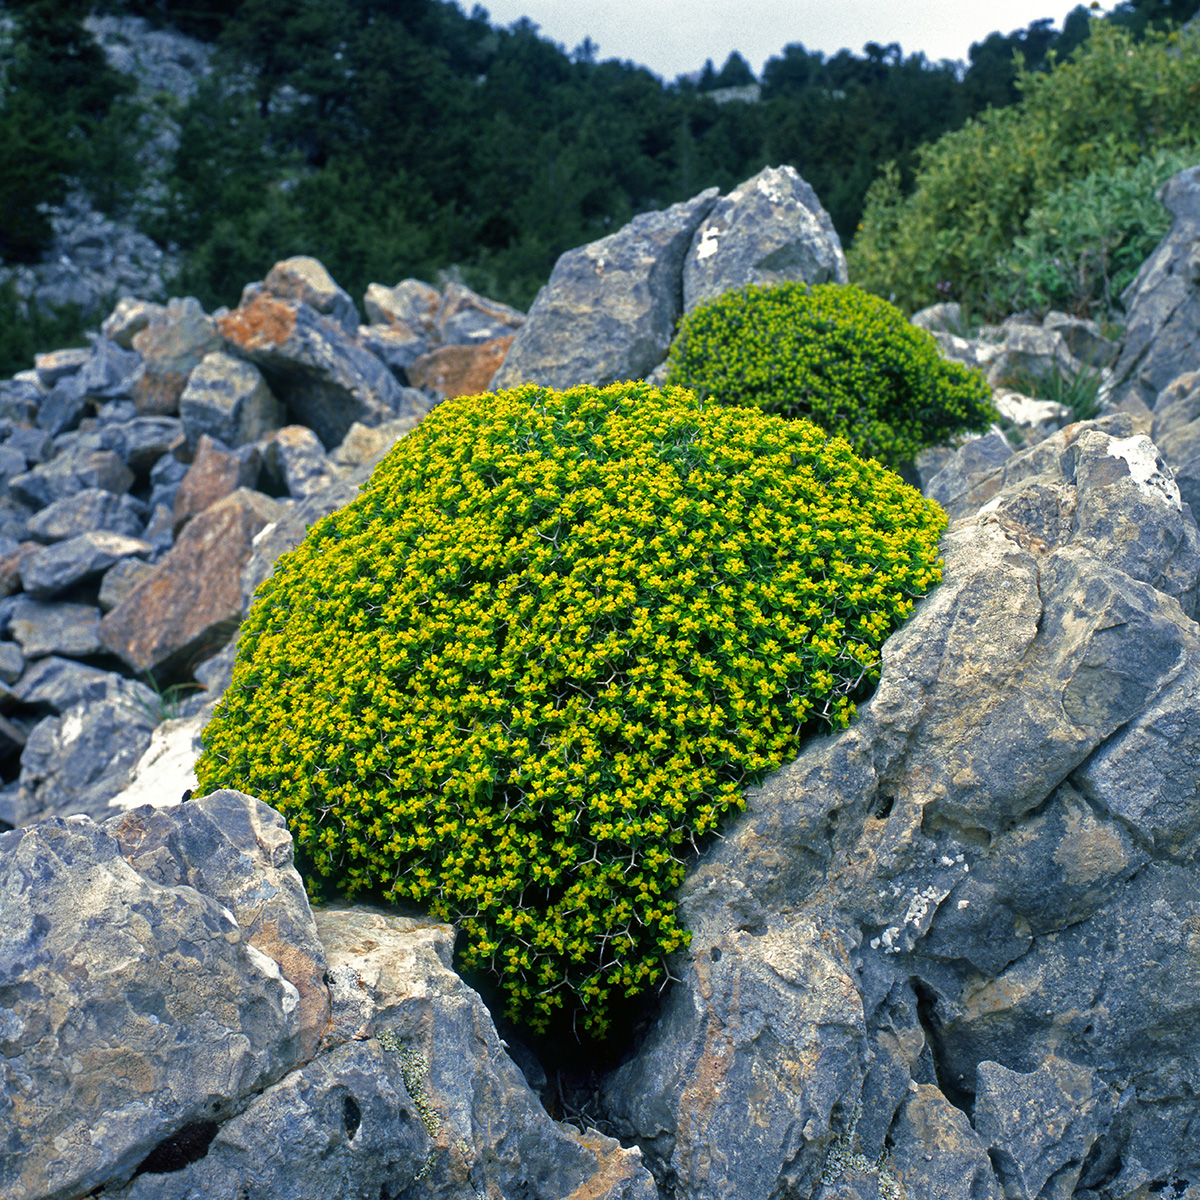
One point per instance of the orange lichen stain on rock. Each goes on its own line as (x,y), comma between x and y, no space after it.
(460,370)
(266,320)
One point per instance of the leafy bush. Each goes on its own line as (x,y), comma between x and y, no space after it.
(543,653)
(1112,104)
(1085,242)
(842,358)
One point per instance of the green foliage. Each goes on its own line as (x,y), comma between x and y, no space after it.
(25,332)
(836,355)
(543,653)
(1085,242)
(1112,104)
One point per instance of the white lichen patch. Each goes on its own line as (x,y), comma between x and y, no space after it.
(270,968)
(1147,469)
(710,242)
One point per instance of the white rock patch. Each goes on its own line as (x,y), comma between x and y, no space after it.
(1152,476)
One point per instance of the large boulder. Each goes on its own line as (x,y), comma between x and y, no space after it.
(172,346)
(178,1022)
(158,971)
(1162,328)
(610,308)
(771,229)
(990,872)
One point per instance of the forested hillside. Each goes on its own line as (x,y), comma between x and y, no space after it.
(399,138)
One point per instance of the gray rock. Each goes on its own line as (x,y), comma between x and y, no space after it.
(12,462)
(295,459)
(165,478)
(326,381)
(391,981)
(770,229)
(963,472)
(171,348)
(130,317)
(610,308)
(58,568)
(64,406)
(411,306)
(76,762)
(109,371)
(1162,305)
(997,852)
(12,662)
(167,769)
(397,348)
(366,446)
(59,364)
(33,443)
(121,578)
(159,927)
(304,280)
(1176,432)
(87,511)
(55,627)
(1083,338)
(228,399)
(343,1125)
(1035,419)
(142,441)
(466,318)
(772,1047)
(69,474)
(936,1154)
(1040,1126)
(59,684)
(939,318)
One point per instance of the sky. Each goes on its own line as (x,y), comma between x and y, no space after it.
(674,37)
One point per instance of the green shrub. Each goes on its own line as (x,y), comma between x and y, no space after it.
(1085,242)
(844,359)
(1111,104)
(544,652)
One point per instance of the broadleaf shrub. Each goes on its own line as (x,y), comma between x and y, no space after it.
(1086,241)
(833,354)
(1112,103)
(543,653)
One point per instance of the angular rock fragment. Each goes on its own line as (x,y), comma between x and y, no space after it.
(216,472)
(326,381)
(610,308)
(770,229)
(465,370)
(228,399)
(55,627)
(171,347)
(58,568)
(192,602)
(93,509)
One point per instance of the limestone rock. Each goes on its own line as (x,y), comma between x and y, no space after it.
(192,602)
(55,627)
(216,472)
(306,281)
(465,318)
(460,370)
(71,473)
(610,308)
(166,769)
(129,318)
(1176,432)
(58,568)
(1162,328)
(326,381)
(171,348)
(157,927)
(86,511)
(770,229)
(410,305)
(296,461)
(228,399)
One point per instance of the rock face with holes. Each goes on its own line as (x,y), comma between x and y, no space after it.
(177,1022)
(954,950)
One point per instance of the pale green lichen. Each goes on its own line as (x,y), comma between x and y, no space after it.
(845,1155)
(412,1071)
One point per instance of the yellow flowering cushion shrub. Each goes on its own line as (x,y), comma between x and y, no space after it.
(541,655)
(837,355)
